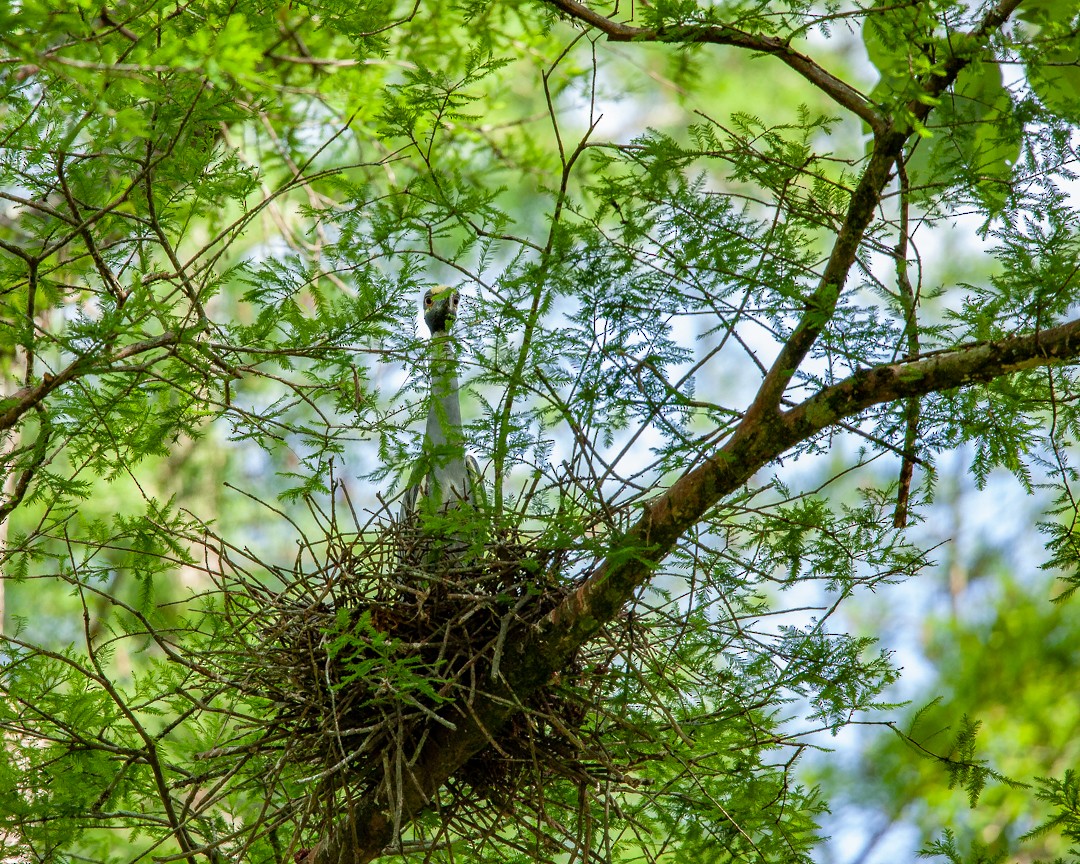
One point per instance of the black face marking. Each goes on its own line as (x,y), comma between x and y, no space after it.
(440,308)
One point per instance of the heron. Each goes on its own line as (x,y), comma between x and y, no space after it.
(445,477)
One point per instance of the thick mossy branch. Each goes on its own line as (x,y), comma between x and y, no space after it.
(669,515)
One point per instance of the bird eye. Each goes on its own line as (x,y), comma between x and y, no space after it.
(427,300)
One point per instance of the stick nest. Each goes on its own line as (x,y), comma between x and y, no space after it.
(379,636)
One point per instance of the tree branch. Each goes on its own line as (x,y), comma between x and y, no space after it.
(721,34)
(671,514)
(532,657)
(888,146)
(40,450)
(890,136)
(26,398)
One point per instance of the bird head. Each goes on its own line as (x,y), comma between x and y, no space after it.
(440,308)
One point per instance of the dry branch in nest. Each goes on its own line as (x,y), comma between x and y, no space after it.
(378,634)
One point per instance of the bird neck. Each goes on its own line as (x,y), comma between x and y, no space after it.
(444,412)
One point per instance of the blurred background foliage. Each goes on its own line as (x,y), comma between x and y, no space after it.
(986,646)
(265,189)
